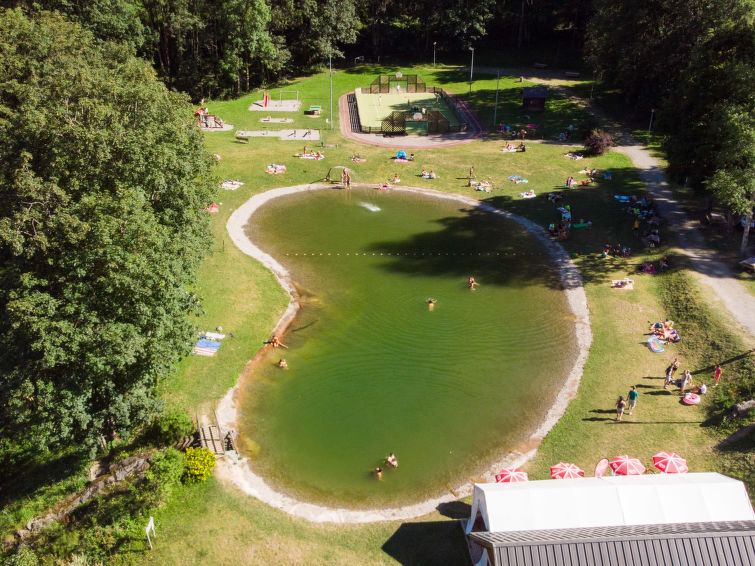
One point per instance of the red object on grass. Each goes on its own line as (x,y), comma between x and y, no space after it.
(565,471)
(511,475)
(670,463)
(626,465)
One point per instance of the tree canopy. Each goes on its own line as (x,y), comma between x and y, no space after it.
(103,179)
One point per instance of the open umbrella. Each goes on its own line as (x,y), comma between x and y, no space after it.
(566,471)
(510,475)
(601,467)
(626,466)
(670,463)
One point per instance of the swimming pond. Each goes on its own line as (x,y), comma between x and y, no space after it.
(373,370)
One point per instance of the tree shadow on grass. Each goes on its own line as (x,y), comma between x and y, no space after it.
(428,544)
(23,479)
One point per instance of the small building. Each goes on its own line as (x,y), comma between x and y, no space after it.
(658,519)
(533,97)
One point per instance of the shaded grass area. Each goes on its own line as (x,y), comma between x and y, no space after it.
(217,524)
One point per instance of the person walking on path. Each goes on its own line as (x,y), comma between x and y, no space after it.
(632,395)
(620,406)
(717,374)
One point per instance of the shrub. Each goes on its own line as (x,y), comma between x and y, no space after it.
(171,427)
(198,465)
(598,142)
(24,556)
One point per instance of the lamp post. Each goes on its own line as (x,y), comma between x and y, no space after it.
(330,68)
(650,125)
(471,71)
(434,44)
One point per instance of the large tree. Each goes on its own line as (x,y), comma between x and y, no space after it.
(103,180)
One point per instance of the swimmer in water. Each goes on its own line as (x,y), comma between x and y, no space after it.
(379,473)
(282,364)
(391,460)
(431,303)
(472,283)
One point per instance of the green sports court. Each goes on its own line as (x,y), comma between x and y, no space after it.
(374,108)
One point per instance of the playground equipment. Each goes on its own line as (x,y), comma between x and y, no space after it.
(268,103)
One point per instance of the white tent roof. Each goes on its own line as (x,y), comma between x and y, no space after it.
(609,501)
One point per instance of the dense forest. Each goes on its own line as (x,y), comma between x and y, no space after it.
(689,61)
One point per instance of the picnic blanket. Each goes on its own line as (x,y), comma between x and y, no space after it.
(528,194)
(206,347)
(310,156)
(401,160)
(213,336)
(627,284)
(213,208)
(275,169)
(230,185)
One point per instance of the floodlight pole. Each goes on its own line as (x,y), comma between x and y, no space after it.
(471,71)
(495,112)
(434,44)
(330,67)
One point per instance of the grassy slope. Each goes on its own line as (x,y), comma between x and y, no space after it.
(215,524)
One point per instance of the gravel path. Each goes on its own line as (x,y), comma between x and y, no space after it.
(713,273)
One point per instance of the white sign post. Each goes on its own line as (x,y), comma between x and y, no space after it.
(150,527)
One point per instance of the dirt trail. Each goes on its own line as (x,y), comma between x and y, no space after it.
(713,273)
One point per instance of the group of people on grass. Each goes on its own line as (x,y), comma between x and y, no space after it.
(687,388)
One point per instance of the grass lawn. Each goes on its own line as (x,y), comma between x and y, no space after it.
(217,524)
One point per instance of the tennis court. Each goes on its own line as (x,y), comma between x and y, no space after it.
(373,108)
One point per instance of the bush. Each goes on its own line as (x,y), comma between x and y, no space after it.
(24,556)
(598,142)
(171,427)
(198,466)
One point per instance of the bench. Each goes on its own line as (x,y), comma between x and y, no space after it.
(748,264)
(572,74)
(314,110)
(540,65)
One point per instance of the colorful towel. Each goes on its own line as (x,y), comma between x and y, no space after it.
(206,347)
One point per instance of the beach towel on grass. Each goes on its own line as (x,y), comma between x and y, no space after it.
(206,347)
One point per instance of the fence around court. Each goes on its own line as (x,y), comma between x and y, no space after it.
(437,123)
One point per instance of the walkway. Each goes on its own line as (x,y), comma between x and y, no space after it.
(715,274)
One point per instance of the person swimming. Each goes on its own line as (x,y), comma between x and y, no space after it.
(282,363)
(391,460)
(431,303)
(379,473)
(472,283)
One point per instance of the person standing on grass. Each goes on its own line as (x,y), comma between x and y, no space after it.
(717,374)
(633,394)
(670,371)
(620,406)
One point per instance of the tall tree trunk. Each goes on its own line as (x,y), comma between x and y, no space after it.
(521,27)
(748,221)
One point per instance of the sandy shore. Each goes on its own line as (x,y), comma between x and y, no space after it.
(240,473)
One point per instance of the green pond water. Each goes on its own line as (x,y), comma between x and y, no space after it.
(373,370)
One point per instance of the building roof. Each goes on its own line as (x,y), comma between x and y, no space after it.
(535,92)
(681,544)
(610,501)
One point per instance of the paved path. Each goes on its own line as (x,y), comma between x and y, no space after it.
(715,274)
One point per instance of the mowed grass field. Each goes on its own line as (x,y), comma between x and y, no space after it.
(373,108)
(216,524)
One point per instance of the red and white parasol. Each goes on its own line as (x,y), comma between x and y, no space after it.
(510,475)
(626,466)
(566,471)
(670,463)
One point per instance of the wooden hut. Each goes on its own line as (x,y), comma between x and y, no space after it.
(533,97)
